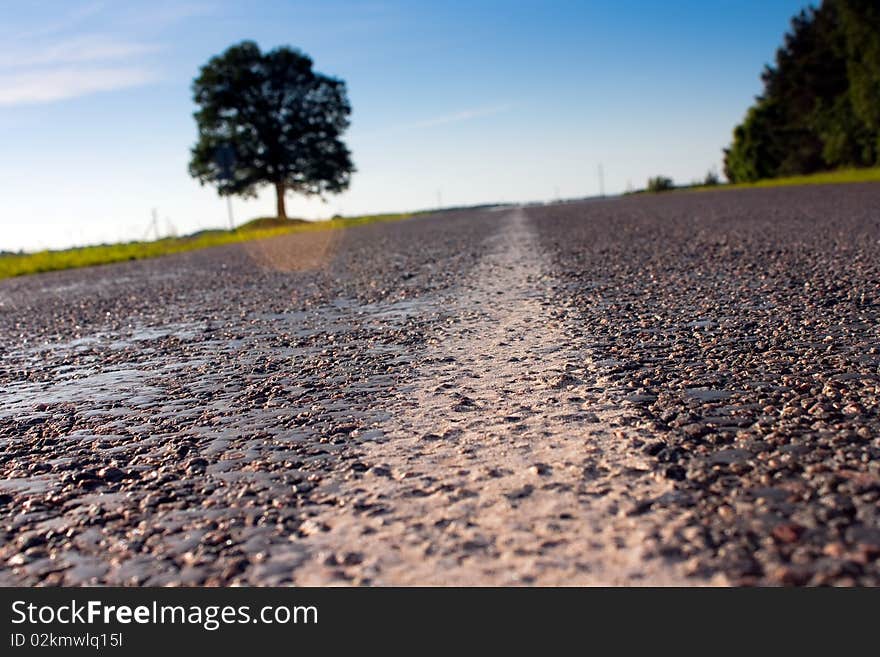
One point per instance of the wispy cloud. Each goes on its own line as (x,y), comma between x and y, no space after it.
(457,117)
(54,23)
(62,83)
(159,15)
(77,50)
(71,56)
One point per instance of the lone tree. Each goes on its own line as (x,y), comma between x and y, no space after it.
(270,119)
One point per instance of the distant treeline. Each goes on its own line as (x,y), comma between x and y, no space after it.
(820,108)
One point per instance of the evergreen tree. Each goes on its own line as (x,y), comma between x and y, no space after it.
(819,108)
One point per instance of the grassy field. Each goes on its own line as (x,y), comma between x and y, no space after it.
(19,264)
(824,178)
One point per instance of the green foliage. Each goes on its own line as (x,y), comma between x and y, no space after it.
(820,108)
(19,264)
(268,118)
(861,21)
(269,222)
(660,184)
(838,176)
(712,179)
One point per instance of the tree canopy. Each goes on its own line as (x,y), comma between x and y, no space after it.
(269,118)
(820,108)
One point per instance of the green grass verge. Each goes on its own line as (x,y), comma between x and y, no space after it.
(823,178)
(19,264)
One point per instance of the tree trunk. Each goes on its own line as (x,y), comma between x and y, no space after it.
(279,194)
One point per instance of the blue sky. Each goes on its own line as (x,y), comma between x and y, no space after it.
(478,101)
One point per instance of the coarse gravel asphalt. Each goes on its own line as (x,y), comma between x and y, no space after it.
(659,389)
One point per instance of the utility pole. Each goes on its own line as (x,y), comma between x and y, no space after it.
(153,225)
(601,180)
(229,211)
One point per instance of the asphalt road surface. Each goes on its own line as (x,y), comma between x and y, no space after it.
(670,389)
